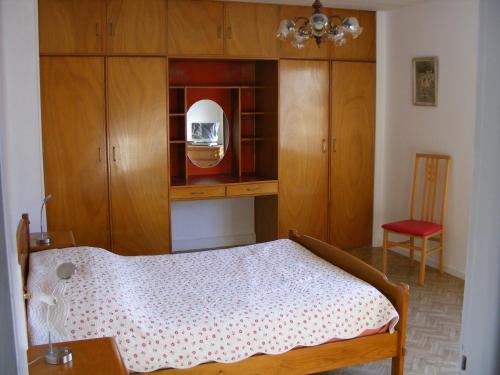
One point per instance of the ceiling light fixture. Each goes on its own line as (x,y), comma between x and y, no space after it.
(320,27)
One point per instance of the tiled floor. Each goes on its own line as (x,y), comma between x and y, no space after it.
(435,314)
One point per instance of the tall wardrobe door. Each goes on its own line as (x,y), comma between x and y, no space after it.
(303,159)
(137,122)
(352,156)
(74,147)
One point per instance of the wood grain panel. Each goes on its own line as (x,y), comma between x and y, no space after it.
(74,147)
(195,27)
(71,26)
(199,192)
(92,357)
(303,159)
(138,154)
(137,27)
(310,50)
(364,47)
(352,158)
(250,29)
(266,188)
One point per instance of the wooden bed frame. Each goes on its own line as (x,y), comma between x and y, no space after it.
(305,360)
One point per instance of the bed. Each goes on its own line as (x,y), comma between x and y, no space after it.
(290,306)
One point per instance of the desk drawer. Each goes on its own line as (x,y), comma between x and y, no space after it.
(199,192)
(264,188)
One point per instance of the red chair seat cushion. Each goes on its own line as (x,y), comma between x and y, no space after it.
(415,227)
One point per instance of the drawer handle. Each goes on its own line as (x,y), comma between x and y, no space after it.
(253,189)
(197,193)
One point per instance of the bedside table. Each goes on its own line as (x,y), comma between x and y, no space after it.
(59,240)
(96,357)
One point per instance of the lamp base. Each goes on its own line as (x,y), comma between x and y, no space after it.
(58,356)
(43,240)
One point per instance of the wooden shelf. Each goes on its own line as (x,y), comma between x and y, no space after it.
(232,87)
(218,180)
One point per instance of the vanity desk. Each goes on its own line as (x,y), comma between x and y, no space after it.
(223,134)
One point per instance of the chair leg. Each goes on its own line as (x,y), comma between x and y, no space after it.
(384,252)
(412,250)
(421,276)
(441,255)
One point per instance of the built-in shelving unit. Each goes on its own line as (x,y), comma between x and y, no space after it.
(247,92)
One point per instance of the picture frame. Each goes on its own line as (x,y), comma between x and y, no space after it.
(425,81)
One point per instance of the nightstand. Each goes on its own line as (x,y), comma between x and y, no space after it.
(59,240)
(90,357)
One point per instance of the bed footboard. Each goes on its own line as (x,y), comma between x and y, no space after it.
(398,294)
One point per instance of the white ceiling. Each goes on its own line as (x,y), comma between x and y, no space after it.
(353,4)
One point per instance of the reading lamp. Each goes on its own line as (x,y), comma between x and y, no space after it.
(44,238)
(57,317)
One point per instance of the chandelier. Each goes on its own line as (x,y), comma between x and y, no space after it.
(320,27)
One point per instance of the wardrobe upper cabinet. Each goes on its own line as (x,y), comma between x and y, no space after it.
(364,47)
(195,27)
(137,27)
(138,154)
(311,49)
(71,26)
(251,29)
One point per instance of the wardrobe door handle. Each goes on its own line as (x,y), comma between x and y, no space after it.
(323,145)
(97,29)
(229,32)
(219,32)
(114,153)
(110,29)
(99,154)
(334,145)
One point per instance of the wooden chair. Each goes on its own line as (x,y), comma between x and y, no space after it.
(429,193)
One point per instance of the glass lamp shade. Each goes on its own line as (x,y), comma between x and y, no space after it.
(318,23)
(351,25)
(338,36)
(284,29)
(299,41)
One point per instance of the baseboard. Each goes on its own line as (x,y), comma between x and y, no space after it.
(212,242)
(434,263)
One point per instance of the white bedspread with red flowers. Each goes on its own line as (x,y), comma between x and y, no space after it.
(224,305)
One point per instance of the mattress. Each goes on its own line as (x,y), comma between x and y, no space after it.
(181,310)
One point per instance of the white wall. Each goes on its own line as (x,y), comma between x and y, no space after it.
(447,29)
(481,319)
(212,223)
(22,181)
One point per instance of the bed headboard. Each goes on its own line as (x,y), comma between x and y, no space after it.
(23,245)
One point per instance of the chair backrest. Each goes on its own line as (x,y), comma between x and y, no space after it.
(430,188)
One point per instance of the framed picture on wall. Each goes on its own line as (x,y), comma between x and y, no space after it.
(425,81)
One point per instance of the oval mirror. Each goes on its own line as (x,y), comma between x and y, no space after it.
(207,133)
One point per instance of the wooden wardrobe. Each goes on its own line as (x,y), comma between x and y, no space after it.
(116,81)
(327,129)
(105,151)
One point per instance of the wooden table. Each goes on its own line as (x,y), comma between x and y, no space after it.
(59,240)
(90,357)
